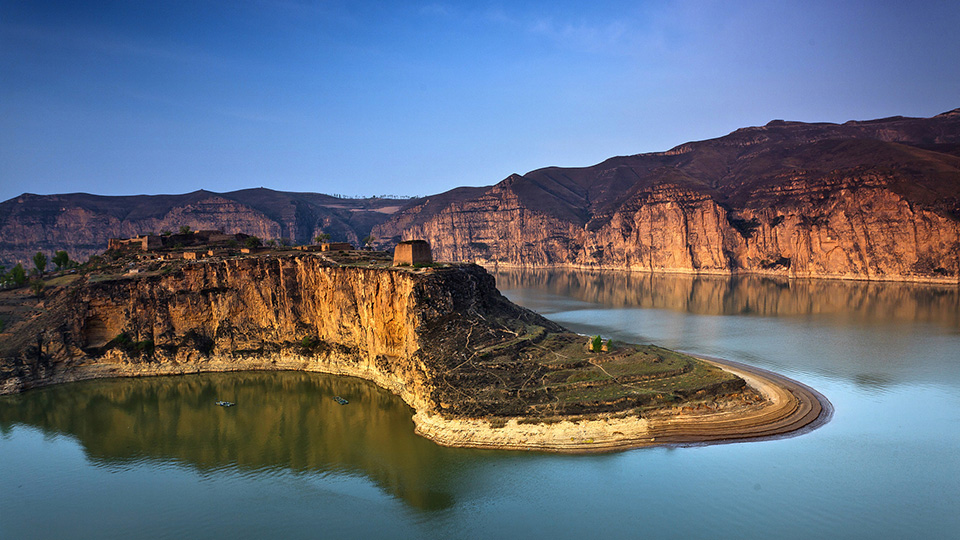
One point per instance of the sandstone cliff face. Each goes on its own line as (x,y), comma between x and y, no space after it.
(786,199)
(396,327)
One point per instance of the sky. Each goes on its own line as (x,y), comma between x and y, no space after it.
(405,98)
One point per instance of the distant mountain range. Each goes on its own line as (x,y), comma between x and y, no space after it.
(876,199)
(81,223)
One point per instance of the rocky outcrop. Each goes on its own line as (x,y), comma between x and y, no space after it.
(396,327)
(82,224)
(477,369)
(876,200)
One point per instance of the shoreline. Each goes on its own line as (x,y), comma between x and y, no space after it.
(790,409)
(952,283)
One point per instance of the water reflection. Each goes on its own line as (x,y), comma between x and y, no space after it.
(747,295)
(874,335)
(282,422)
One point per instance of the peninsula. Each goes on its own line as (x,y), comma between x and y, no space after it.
(478,370)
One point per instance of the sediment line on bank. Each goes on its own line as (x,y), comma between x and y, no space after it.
(790,408)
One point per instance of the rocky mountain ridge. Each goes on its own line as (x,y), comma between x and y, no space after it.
(82,224)
(876,200)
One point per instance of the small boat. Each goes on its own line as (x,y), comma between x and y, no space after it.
(226,403)
(340,400)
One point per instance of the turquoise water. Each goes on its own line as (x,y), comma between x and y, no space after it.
(154,458)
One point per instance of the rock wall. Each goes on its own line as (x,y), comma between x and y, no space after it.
(392,326)
(876,200)
(854,227)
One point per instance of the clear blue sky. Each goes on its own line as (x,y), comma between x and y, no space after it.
(363,98)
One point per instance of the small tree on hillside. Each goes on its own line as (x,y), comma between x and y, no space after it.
(40,261)
(61,259)
(185,229)
(368,241)
(322,237)
(596,344)
(18,275)
(252,242)
(37,287)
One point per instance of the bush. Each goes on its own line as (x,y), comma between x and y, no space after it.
(596,344)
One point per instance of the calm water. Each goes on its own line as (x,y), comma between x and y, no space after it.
(155,458)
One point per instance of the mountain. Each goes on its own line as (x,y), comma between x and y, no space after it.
(876,199)
(81,223)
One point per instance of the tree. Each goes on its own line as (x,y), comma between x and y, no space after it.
(368,241)
(61,259)
(185,229)
(37,287)
(596,344)
(18,275)
(322,237)
(40,261)
(252,242)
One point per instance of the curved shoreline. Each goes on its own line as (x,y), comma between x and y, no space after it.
(790,408)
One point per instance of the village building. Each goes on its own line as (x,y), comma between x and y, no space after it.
(411,252)
(336,246)
(154,242)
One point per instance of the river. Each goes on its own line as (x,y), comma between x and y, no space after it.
(156,458)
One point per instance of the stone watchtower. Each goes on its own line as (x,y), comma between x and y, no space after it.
(412,252)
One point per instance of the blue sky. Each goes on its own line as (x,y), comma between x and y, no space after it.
(368,98)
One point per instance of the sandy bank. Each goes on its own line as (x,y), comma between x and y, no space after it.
(789,408)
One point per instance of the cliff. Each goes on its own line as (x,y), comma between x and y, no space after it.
(477,369)
(876,200)
(82,224)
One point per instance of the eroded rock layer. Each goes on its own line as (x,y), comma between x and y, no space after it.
(397,327)
(863,200)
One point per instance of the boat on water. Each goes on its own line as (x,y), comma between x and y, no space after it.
(340,400)
(226,403)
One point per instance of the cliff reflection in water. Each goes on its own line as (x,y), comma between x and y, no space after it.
(285,421)
(746,295)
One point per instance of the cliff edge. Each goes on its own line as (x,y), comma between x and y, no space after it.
(440,336)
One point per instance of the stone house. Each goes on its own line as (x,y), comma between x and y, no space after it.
(411,252)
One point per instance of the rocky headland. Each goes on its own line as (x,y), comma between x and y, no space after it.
(477,369)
